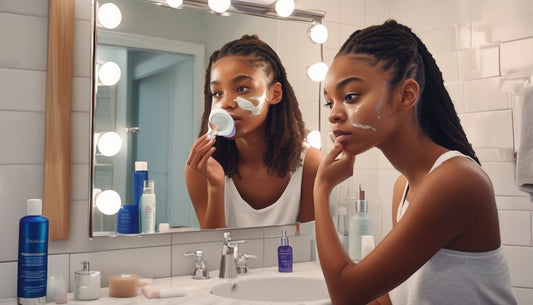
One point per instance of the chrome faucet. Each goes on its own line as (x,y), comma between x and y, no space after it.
(228,263)
(200,270)
(242,263)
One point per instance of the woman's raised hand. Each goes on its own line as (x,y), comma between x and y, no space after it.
(201,161)
(335,168)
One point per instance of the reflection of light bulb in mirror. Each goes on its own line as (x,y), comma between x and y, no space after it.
(317,72)
(108,202)
(109,143)
(313,138)
(318,33)
(109,15)
(109,73)
(219,6)
(174,3)
(284,8)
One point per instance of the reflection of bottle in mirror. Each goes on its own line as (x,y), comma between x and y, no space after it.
(223,122)
(148,208)
(360,225)
(139,176)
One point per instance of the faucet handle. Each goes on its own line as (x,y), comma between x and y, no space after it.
(200,270)
(242,264)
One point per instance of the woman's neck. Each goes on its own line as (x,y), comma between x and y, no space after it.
(252,147)
(412,154)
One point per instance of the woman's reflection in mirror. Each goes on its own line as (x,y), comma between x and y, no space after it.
(264,174)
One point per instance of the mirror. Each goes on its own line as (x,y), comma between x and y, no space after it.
(151,111)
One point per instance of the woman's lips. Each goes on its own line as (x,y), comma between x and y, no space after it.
(340,135)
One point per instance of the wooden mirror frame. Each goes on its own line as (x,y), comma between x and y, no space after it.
(58,134)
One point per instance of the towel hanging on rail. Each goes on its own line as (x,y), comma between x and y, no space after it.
(524,159)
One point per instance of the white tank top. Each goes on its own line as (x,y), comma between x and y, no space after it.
(454,277)
(284,211)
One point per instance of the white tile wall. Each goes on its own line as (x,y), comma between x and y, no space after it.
(516,57)
(515,227)
(472,40)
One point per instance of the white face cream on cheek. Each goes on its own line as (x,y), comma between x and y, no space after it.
(354,120)
(380,102)
(245,104)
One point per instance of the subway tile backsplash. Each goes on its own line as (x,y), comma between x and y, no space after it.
(483,48)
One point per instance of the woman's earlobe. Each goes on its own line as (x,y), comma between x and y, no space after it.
(276,93)
(410,93)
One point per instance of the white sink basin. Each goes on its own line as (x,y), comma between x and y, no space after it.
(283,289)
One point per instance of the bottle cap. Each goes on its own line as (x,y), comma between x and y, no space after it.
(361,206)
(149,184)
(223,121)
(284,238)
(141,166)
(342,211)
(34,207)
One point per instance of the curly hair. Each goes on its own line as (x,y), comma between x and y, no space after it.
(284,128)
(405,55)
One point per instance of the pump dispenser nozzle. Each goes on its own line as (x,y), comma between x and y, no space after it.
(284,238)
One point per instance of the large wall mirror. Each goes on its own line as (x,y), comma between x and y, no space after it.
(148,95)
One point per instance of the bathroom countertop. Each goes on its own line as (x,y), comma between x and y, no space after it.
(197,291)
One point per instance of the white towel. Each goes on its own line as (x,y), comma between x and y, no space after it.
(524,159)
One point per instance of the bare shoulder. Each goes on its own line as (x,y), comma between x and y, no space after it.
(461,174)
(458,184)
(313,157)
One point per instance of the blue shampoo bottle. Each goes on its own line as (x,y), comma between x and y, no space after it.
(32,255)
(139,176)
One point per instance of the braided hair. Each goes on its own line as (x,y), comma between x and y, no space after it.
(284,127)
(403,53)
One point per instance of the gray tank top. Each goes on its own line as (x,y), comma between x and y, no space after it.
(454,277)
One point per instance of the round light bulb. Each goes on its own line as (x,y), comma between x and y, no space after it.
(317,72)
(108,202)
(313,138)
(109,143)
(174,3)
(109,73)
(219,6)
(284,8)
(318,33)
(109,15)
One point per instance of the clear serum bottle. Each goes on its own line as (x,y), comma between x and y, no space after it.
(360,225)
(32,274)
(284,254)
(87,283)
(342,227)
(148,208)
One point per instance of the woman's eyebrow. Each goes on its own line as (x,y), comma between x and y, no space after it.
(346,81)
(241,77)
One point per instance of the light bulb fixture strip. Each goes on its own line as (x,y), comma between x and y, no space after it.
(254,9)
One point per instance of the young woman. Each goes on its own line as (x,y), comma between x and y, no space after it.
(264,174)
(386,91)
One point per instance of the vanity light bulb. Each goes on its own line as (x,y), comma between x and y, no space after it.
(174,3)
(219,6)
(284,8)
(317,72)
(109,73)
(108,202)
(109,143)
(109,16)
(318,33)
(313,138)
